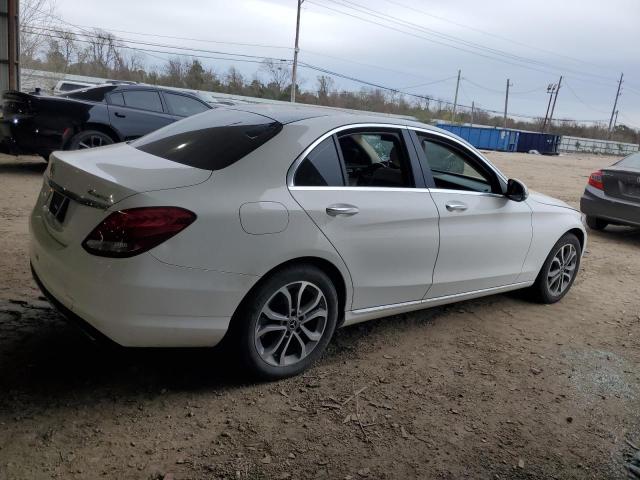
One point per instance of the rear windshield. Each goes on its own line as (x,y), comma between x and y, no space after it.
(632,161)
(211,140)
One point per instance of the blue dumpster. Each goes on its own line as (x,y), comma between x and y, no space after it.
(544,143)
(487,138)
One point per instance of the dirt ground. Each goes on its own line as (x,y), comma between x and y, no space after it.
(493,388)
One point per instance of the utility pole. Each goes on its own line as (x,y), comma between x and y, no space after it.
(506,103)
(473,111)
(455,100)
(9,57)
(294,72)
(615,103)
(553,107)
(551,88)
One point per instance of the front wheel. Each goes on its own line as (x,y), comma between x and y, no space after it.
(559,270)
(287,323)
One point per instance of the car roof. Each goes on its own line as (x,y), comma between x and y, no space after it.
(286,114)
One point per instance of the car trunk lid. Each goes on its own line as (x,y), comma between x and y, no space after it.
(81,186)
(622,182)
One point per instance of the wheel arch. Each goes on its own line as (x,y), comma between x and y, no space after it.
(580,234)
(326,266)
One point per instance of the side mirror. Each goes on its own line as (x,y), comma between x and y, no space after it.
(517,191)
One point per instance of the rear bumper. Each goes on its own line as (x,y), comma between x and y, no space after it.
(139,301)
(596,203)
(22,136)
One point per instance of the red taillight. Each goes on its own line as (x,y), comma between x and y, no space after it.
(595,180)
(129,232)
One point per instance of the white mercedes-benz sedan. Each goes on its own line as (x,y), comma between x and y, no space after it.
(269,227)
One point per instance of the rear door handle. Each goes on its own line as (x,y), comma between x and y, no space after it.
(456,207)
(120,115)
(342,209)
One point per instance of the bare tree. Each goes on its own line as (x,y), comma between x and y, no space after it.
(103,52)
(325,85)
(279,73)
(34,15)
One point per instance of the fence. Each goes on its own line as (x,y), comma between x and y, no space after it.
(591,145)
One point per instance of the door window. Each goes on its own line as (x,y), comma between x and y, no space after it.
(375,159)
(184,106)
(452,169)
(321,168)
(143,99)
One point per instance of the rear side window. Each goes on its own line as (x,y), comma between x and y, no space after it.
(211,141)
(116,99)
(321,168)
(376,159)
(93,94)
(143,99)
(184,106)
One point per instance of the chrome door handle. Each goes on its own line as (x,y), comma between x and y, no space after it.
(342,209)
(456,207)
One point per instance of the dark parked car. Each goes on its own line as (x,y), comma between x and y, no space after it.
(612,195)
(91,117)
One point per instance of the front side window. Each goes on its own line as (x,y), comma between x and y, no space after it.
(452,169)
(321,168)
(375,159)
(211,141)
(143,99)
(184,106)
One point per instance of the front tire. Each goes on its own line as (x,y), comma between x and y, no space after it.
(287,322)
(558,271)
(89,139)
(596,223)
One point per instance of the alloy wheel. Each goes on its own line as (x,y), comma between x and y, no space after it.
(93,141)
(291,324)
(562,269)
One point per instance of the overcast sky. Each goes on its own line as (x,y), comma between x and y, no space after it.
(589,41)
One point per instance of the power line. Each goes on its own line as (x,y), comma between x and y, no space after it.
(406,24)
(154,44)
(566,84)
(484,32)
(305,51)
(429,83)
(499,92)
(139,49)
(172,37)
(302,64)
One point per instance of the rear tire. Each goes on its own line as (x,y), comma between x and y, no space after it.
(558,271)
(89,139)
(275,336)
(596,223)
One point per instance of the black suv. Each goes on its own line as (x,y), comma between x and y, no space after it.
(91,117)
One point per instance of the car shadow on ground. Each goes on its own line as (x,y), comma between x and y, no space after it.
(44,360)
(629,235)
(24,167)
